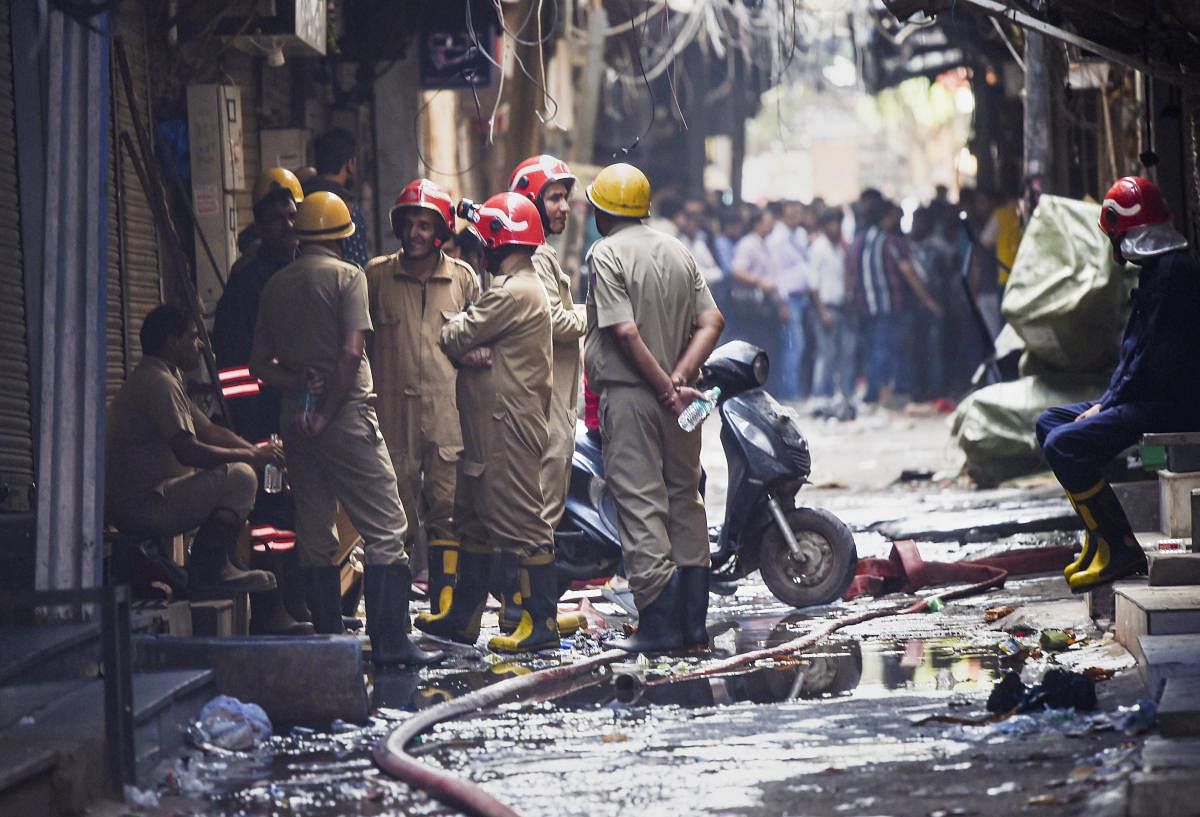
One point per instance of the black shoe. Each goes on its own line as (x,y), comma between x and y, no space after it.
(386,588)
(694,581)
(460,621)
(538,627)
(660,624)
(324,591)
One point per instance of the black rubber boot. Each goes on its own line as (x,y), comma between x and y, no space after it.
(538,628)
(460,622)
(660,626)
(511,605)
(443,571)
(386,588)
(324,590)
(1117,553)
(268,616)
(694,581)
(291,585)
(211,573)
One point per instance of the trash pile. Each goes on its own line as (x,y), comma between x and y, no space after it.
(1066,303)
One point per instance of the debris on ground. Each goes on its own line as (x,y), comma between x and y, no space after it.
(227,723)
(996,613)
(1059,689)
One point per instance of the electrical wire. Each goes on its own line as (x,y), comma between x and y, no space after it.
(637,53)
(483,154)
(671,74)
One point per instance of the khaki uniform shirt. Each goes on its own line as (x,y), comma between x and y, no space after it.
(568,323)
(147,413)
(413,375)
(513,319)
(306,310)
(645,276)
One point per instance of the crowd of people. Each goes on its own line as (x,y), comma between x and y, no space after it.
(851,308)
(428,400)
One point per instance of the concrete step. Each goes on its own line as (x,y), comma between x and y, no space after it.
(1167,785)
(52,753)
(275,672)
(50,652)
(1144,610)
(1179,708)
(1165,657)
(1169,569)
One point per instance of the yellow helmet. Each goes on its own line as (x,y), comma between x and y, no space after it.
(621,190)
(323,217)
(277,178)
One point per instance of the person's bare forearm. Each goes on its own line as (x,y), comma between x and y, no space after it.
(629,341)
(709,326)
(222,437)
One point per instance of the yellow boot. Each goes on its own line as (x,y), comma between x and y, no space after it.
(443,571)
(458,620)
(538,628)
(1117,552)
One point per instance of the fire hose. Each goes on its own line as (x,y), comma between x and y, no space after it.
(904,568)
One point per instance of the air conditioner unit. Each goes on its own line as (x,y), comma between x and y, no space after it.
(275,27)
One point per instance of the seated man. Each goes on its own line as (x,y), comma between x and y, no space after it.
(168,469)
(1156,385)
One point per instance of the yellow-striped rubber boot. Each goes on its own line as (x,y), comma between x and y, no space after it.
(1080,501)
(443,571)
(538,628)
(1118,553)
(459,620)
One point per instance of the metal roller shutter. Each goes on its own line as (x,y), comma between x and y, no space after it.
(16,425)
(134,277)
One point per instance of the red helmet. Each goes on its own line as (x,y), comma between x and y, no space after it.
(426,194)
(1132,202)
(508,220)
(531,176)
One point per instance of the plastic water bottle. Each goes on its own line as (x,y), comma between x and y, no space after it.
(308,405)
(272,473)
(695,414)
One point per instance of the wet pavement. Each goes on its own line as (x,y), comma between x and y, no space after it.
(837,730)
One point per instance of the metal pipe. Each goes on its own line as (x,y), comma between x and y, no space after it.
(1034,24)
(784,527)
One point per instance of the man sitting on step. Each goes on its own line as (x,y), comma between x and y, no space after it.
(168,469)
(1156,385)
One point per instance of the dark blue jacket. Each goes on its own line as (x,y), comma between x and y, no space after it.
(255,417)
(1160,352)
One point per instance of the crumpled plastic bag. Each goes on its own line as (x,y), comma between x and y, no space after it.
(227,723)
(1066,298)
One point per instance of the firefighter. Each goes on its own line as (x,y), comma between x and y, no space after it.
(254,409)
(1155,387)
(500,501)
(410,294)
(548,182)
(651,322)
(309,342)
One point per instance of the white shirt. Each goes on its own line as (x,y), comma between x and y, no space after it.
(828,263)
(791,266)
(705,262)
(750,255)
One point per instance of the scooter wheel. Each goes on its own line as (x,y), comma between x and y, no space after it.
(825,566)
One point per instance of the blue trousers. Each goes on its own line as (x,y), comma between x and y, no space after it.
(1077,451)
(885,354)
(792,348)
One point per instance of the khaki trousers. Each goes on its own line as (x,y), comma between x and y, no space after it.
(347,463)
(652,469)
(183,503)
